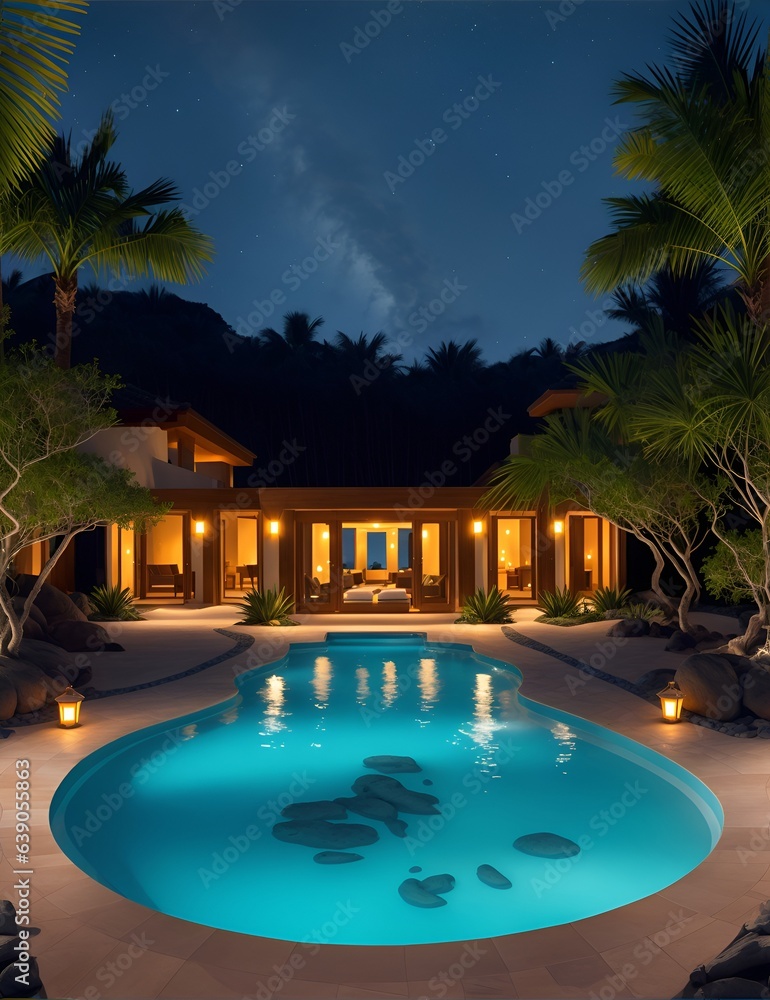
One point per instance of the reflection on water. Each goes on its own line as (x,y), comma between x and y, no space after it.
(389,683)
(274,696)
(230,716)
(322,681)
(362,685)
(428,682)
(188,732)
(567,742)
(483,729)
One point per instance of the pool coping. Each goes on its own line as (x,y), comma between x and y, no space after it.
(644,949)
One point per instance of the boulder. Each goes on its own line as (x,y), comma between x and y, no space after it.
(492,877)
(756,691)
(710,686)
(54,603)
(52,660)
(32,685)
(320,833)
(31,630)
(336,858)
(381,787)
(8,950)
(81,602)
(658,631)
(679,641)
(80,636)
(630,628)
(733,988)
(372,808)
(412,892)
(546,845)
(8,918)
(654,680)
(34,614)
(397,827)
(8,698)
(30,985)
(439,884)
(314,810)
(389,764)
(740,664)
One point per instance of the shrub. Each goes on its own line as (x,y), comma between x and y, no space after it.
(481,608)
(560,603)
(606,599)
(648,612)
(269,607)
(113,604)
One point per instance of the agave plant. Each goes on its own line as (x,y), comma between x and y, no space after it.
(268,607)
(481,608)
(606,599)
(560,603)
(113,604)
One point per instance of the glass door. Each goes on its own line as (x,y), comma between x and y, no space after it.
(512,566)
(432,541)
(585,552)
(318,572)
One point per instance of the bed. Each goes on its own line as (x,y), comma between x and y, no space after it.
(368,597)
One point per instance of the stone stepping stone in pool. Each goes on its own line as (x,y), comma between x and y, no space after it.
(391,790)
(492,877)
(323,809)
(397,827)
(369,806)
(336,858)
(320,833)
(546,845)
(412,892)
(438,884)
(388,764)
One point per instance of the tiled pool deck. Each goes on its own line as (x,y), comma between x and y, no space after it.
(95,944)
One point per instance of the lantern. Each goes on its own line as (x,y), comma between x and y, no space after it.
(671,699)
(69,708)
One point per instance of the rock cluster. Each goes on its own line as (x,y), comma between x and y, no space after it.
(742,969)
(12,951)
(56,629)
(379,797)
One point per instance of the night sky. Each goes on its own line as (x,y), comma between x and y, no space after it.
(382,186)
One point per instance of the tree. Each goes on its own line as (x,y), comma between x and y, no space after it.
(35,40)
(47,488)
(702,143)
(76,210)
(710,407)
(455,361)
(575,459)
(297,341)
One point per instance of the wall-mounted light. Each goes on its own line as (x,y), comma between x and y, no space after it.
(478,527)
(200,527)
(424,532)
(273,527)
(69,708)
(558,527)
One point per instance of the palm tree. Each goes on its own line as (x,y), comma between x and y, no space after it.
(35,41)
(702,143)
(297,340)
(77,210)
(456,361)
(365,352)
(549,348)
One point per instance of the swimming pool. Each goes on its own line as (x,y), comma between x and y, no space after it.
(209,817)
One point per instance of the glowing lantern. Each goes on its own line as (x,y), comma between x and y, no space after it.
(69,708)
(671,699)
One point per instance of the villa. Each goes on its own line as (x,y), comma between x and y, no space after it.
(373,550)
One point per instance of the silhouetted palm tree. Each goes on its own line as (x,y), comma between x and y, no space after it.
(549,348)
(297,340)
(77,210)
(453,360)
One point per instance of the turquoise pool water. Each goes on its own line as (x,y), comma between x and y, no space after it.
(179,816)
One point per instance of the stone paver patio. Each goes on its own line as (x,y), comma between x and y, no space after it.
(95,944)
